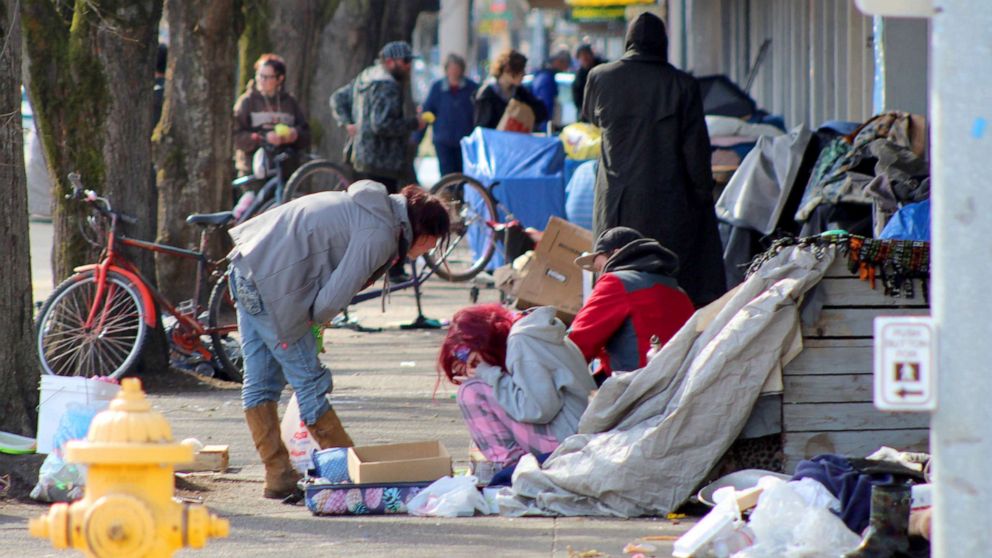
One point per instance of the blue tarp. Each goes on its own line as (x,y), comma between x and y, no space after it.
(911,222)
(530,172)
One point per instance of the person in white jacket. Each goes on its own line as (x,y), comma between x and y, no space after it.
(523,384)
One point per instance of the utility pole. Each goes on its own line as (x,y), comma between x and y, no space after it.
(961,265)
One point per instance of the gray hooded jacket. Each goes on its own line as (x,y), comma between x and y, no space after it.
(548,380)
(309,257)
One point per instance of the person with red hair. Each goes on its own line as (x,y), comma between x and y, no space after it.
(522,384)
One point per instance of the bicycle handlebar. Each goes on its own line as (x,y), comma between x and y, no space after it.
(91,197)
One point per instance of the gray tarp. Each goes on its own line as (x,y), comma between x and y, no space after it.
(757,192)
(650,437)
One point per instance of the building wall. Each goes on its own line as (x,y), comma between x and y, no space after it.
(819,65)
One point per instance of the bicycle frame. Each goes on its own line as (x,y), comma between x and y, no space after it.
(113,261)
(272,189)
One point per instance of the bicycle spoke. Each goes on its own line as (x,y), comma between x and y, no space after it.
(70,346)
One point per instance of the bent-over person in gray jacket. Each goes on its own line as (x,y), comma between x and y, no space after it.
(300,264)
(523,384)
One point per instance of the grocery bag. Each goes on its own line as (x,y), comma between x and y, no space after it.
(296,437)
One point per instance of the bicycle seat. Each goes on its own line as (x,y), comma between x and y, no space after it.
(211,219)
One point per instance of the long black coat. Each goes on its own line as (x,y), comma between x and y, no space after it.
(655,173)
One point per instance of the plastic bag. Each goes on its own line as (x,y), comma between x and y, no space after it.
(449,497)
(719,534)
(581,140)
(59,481)
(297,438)
(911,222)
(786,525)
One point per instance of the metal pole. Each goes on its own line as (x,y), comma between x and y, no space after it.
(961,134)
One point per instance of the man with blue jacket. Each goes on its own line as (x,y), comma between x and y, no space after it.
(450,99)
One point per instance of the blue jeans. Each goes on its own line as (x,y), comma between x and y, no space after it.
(269,364)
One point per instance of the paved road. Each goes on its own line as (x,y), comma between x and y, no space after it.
(384,392)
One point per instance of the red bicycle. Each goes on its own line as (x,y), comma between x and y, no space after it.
(96,321)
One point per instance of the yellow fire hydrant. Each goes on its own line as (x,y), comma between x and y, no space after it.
(128,509)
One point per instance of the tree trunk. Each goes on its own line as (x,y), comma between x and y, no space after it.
(313,37)
(92,74)
(18,364)
(193,143)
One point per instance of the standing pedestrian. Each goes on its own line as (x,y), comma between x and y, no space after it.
(450,99)
(300,264)
(505,84)
(545,87)
(655,175)
(587,61)
(370,107)
(264,105)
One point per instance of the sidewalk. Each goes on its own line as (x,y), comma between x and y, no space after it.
(384,392)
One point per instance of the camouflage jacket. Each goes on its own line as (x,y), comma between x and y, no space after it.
(373,101)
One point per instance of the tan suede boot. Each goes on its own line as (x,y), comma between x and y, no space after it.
(280,477)
(329,433)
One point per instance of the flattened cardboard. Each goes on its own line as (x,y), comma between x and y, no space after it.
(391,463)
(551,278)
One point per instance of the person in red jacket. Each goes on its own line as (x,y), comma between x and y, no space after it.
(635,298)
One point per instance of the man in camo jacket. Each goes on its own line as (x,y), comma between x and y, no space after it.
(371,108)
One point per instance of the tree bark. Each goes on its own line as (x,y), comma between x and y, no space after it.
(193,143)
(18,365)
(92,74)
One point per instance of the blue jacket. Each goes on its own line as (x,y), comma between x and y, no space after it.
(545,88)
(452,109)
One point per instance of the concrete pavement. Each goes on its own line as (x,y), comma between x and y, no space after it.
(384,392)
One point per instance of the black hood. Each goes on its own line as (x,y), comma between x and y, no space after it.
(645,255)
(646,39)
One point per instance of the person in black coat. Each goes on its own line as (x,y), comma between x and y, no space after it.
(587,61)
(505,84)
(654,174)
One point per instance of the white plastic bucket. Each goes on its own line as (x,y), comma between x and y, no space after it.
(57,392)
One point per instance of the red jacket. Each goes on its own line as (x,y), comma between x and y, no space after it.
(627,306)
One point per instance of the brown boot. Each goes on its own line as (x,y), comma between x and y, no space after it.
(329,433)
(280,477)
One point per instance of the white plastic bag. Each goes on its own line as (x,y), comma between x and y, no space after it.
(297,438)
(719,534)
(59,481)
(786,525)
(449,497)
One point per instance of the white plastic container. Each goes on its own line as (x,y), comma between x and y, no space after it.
(57,392)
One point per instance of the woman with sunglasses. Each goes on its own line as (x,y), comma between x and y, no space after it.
(522,384)
(267,112)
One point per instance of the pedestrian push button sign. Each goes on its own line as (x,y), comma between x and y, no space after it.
(904,371)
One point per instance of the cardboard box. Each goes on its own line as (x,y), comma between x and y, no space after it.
(551,278)
(393,463)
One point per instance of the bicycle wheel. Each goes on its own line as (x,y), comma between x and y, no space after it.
(313,177)
(473,239)
(109,347)
(222,319)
